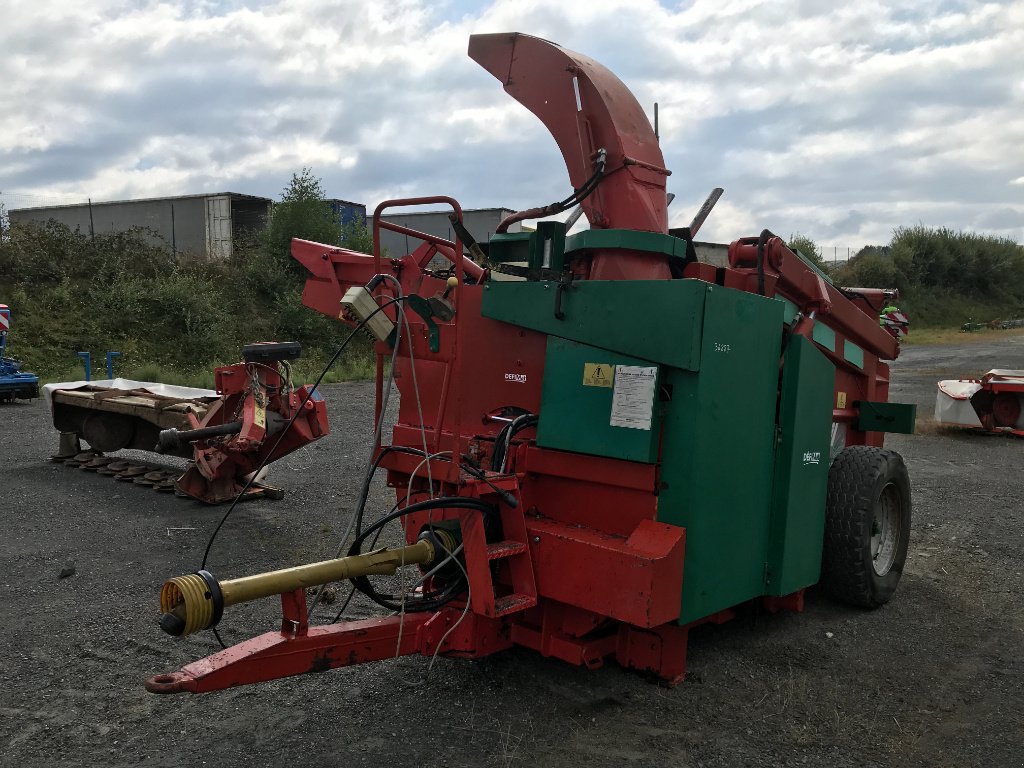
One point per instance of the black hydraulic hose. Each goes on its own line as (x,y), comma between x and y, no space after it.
(503,440)
(761,242)
(430,601)
(577,196)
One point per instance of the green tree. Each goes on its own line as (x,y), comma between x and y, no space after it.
(356,236)
(870,269)
(304,213)
(808,249)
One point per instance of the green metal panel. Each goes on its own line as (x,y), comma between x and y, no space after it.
(627,239)
(549,246)
(824,335)
(580,382)
(853,354)
(801,469)
(657,320)
(886,417)
(541,249)
(510,246)
(791,309)
(717,451)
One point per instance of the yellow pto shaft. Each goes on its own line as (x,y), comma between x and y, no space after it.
(197,601)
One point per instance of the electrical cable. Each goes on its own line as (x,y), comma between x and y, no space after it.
(357,515)
(436,599)
(503,440)
(431,601)
(299,410)
(466,464)
(523,422)
(364,492)
(452,554)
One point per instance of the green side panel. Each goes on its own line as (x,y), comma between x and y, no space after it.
(824,335)
(577,416)
(887,417)
(611,239)
(801,469)
(717,451)
(853,354)
(510,246)
(541,249)
(791,309)
(657,320)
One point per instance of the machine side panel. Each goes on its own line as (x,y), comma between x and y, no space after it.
(657,320)
(801,469)
(577,411)
(717,452)
(504,365)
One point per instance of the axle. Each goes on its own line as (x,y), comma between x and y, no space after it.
(172,439)
(197,601)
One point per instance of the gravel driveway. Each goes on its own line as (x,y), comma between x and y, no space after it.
(935,678)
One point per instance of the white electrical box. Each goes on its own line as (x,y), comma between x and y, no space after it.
(360,303)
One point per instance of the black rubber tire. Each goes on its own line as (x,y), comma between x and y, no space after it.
(856,482)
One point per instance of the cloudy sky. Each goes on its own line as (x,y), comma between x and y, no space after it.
(838,120)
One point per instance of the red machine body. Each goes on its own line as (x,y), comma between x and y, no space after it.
(993,403)
(257,402)
(584,571)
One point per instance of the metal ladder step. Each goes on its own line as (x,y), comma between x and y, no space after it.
(513,603)
(500,549)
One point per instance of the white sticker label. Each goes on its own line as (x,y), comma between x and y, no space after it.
(633,396)
(518,378)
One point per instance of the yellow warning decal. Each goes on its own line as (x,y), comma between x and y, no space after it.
(598,375)
(840,399)
(259,418)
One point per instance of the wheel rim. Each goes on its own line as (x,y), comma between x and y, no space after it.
(885,530)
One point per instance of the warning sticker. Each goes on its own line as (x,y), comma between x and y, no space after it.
(840,399)
(633,396)
(598,375)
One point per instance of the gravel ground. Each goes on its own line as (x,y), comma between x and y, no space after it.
(935,678)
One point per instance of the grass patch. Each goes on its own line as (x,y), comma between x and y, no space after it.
(931,336)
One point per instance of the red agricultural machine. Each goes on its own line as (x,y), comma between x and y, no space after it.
(993,404)
(602,440)
(255,417)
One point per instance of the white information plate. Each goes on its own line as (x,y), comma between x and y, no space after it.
(633,396)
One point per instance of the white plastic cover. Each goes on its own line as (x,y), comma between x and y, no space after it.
(953,403)
(167,390)
(959,389)
(1006,375)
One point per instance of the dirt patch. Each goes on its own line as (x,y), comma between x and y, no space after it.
(935,678)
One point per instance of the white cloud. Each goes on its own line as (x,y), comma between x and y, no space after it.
(838,121)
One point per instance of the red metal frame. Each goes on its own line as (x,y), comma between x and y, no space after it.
(999,401)
(584,571)
(249,391)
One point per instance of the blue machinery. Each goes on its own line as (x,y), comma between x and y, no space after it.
(14,383)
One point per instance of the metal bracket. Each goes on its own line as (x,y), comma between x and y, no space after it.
(564,284)
(422,307)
